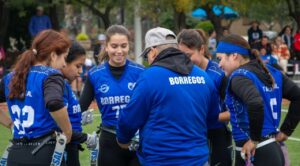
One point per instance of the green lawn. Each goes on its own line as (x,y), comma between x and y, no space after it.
(293,146)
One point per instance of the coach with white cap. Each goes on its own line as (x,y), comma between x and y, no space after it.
(169,106)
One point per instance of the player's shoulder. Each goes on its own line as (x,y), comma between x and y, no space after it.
(135,66)
(97,69)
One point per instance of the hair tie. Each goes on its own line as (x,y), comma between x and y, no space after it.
(34,51)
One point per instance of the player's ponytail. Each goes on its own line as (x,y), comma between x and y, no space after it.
(256,54)
(20,72)
(45,43)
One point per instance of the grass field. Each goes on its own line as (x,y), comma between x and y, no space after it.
(293,145)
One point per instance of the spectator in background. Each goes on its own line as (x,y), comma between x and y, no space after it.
(280,50)
(225,31)
(254,34)
(39,22)
(99,46)
(212,43)
(264,43)
(286,35)
(296,44)
(267,58)
(2,52)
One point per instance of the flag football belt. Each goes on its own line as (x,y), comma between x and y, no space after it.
(61,141)
(40,141)
(261,144)
(94,154)
(3,160)
(111,130)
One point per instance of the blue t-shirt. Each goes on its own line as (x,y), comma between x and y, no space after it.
(269,59)
(216,74)
(170,112)
(272,105)
(38,24)
(112,95)
(30,116)
(73,107)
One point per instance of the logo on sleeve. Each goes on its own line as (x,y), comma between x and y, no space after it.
(104,88)
(131,85)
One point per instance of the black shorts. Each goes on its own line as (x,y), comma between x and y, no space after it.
(220,146)
(20,154)
(111,154)
(72,154)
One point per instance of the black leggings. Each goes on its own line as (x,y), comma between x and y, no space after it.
(72,151)
(111,154)
(270,154)
(220,147)
(21,156)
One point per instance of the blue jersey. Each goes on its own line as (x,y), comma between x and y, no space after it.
(30,116)
(272,98)
(112,95)
(170,112)
(216,74)
(269,59)
(73,107)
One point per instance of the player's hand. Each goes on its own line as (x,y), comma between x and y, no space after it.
(87,117)
(92,140)
(248,150)
(280,137)
(124,146)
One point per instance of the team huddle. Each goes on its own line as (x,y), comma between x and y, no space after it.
(175,112)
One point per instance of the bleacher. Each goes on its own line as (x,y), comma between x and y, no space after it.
(294,72)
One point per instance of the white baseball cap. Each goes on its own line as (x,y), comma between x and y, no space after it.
(158,36)
(101,37)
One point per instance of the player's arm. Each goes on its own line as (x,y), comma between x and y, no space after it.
(136,113)
(5,120)
(53,95)
(290,91)
(244,89)
(224,116)
(87,95)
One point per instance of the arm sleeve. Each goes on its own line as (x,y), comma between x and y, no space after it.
(244,89)
(135,114)
(87,95)
(290,91)
(2,92)
(223,88)
(53,92)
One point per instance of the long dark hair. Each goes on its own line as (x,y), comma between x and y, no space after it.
(43,45)
(194,39)
(75,52)
(254,54)
(112,30)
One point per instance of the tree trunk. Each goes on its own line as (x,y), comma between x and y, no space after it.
(104,16)
(294,10)
(53,16)
(215,20)
(4,20)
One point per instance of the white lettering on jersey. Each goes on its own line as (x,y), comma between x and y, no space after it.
(28,94)
(115,100)
(182,80)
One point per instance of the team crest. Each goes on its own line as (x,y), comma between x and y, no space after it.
(131,85)
(104,88)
